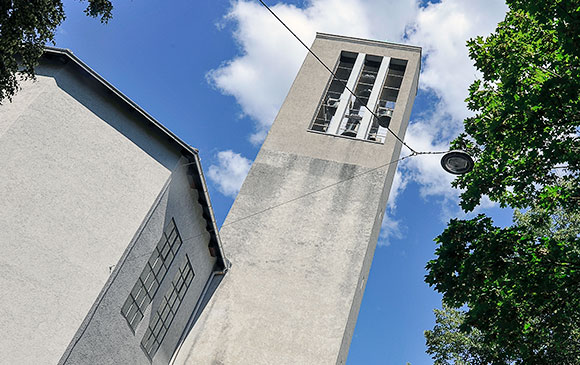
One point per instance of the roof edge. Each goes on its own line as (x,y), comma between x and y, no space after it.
(125,98)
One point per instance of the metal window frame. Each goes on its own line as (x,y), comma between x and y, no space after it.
(157,267)
(165,314)
(327,91)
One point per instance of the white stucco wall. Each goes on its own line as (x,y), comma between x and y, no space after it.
(78,174)
(106,337)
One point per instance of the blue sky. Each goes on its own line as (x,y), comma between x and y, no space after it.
(215,73)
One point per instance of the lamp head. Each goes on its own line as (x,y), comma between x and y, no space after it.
(457,162)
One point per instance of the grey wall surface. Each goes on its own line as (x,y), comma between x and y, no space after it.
(299,266)
(105,337)
(74,189)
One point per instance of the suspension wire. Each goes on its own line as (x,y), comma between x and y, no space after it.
(209,231)
(291,200)
(318,190)
(333,74)
(414,152)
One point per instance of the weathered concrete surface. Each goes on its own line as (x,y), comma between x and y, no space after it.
(302,231)
(288,300)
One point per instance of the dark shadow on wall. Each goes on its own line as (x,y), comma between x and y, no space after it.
(108,106)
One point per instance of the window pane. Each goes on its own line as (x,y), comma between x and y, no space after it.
(128,303)
(189,277)
(154,287)
(172,298)
(165,250)
(165,312)
(148,338)
(141,296)
(157,265)
(131,313)
(154,348)
(138,317)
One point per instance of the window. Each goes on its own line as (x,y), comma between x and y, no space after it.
(386,104)
(376,85)
(161,320)
(146,286)
(334,93)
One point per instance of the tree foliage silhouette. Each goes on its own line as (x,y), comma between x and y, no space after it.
(521,284)
(25,27)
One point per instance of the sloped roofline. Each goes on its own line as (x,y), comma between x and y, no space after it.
(160,127)
(199,182)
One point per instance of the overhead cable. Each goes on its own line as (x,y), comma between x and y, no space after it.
(414,152)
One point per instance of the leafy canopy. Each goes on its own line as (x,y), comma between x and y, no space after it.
(25,27)
(526,126)
(520,284)
(449,344)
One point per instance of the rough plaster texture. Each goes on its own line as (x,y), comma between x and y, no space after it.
(105,337)
(299,267)
(78,174)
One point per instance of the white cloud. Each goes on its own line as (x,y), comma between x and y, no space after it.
(259,78)
(442,30)
(426,170)
(390,228)
(261,75)
(399,184)
(230,172)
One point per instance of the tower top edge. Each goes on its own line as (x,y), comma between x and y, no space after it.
(341,38)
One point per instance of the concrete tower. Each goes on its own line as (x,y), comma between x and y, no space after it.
(302,232)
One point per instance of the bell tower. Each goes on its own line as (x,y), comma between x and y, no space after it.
(302,232)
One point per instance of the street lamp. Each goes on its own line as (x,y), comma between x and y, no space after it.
(457,162)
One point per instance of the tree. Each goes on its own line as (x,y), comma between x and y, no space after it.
(521,284)
(447,343)
(25,27)
(527,110)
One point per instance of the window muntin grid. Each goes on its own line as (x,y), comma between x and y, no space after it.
(148,282)
(386,104)
(163,317)
(334,93)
